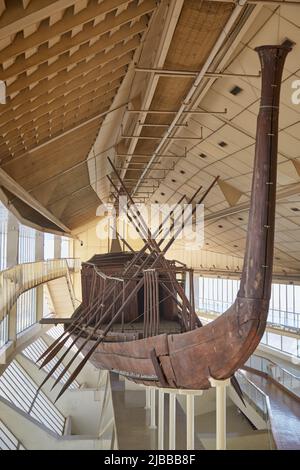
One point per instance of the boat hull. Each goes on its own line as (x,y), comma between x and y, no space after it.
(188,360)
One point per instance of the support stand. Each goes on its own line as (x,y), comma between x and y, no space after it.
(147,405)
(172,421)
(161,419)
(220,386)
(190,422)
(152,408)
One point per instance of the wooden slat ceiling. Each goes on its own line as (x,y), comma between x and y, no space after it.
(227,206)
(63,63)
(197,30)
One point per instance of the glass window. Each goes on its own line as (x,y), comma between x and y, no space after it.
(26,310)
(283,299)
(65,247)
(297,299)
(274,340)
(4,331)
(276,304)
(26,245)
(289,345)
(218,294)
(48,246)
(290,298)
(3,236)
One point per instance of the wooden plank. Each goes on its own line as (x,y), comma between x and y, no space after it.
(67,43)
(75,114)
(15,18)
(85,51)
(59,92)
(75,127)
(74,76)
(55,321)
(73,100)
(67,23)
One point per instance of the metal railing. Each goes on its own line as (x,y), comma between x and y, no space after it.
(17,280)
(258,400)
(279,374)
(278,318)
(15,285)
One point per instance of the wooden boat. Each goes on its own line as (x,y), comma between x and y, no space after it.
(126,322)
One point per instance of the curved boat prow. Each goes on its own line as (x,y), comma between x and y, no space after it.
(225,344)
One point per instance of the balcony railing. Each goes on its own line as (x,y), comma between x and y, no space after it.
(276,372)
(17,280)
(258,400)
(278,318)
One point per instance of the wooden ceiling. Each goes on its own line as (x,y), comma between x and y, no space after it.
(227,147)
(63,63)
(68,62)
(197,30)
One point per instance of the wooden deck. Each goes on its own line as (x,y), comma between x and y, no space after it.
(285,413)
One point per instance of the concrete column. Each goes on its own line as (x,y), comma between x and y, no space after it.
(39,246)
(39,302)
(148,403)
(12,324)
(220,386)
(161,419)
(152,408)
(196,290)
(12,241)
(39,256)
(190,422)
(57,246)
(187,285)
(172,421)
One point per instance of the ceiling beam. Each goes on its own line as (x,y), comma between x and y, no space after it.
(16,18)
(170,24)
(192,92)
(284,193)
(22,220)
(13,187)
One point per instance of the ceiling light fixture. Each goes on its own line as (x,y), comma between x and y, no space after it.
(222,144)
(236,90)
